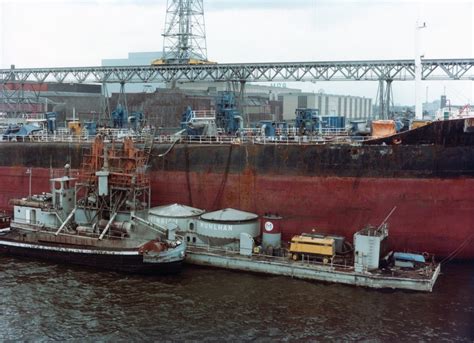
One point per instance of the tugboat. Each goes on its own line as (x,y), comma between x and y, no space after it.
(98,219)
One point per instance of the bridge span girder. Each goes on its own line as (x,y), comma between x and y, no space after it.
(396,70)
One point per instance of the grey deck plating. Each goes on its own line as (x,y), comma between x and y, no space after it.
(312,271)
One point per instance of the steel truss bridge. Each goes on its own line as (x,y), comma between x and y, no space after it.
(389,70)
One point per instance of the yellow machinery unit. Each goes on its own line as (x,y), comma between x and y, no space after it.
(74,127)
(311,246)
(191,61)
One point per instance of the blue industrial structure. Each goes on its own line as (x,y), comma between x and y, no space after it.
(136,120)
(228,117)
(19,131)
(186,117)
(271,128)
(187,123)
(198,123)
(119,117)
(309,121)
(333,122)
(51,121)
(91,127)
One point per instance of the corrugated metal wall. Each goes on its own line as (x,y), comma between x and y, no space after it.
(351,107)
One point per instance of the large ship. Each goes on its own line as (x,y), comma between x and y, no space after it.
(319,186)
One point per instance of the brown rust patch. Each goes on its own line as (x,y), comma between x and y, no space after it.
(152,246)
(247,181)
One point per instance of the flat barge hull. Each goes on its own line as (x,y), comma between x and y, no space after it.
(299,270)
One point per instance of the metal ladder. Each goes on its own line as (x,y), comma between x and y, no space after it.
(149,140)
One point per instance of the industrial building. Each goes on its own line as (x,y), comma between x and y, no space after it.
(32,99)
(134,59)
(350,107)
(261,102)
(163,104)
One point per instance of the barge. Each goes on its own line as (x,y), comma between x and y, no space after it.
(238,240)
(421,280)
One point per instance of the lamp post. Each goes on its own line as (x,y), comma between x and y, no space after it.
(418,71)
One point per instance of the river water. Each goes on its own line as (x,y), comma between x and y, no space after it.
(44,302)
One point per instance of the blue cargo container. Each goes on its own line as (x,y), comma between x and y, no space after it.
(333,122)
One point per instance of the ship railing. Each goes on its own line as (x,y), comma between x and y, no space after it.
(44,227)
(204,114)
(43,137)
(277,140)
(305,260)
(245,138)
(52,229)
(64,135)
(301,140)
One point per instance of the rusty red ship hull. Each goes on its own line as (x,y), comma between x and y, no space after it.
(336,188)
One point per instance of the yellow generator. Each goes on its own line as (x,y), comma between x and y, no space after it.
(322,248)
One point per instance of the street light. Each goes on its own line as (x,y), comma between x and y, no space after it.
(418,70)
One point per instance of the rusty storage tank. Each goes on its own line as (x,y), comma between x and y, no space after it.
(223,227)
(183,216)
(271,231)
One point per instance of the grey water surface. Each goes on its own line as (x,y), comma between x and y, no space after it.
(43,302)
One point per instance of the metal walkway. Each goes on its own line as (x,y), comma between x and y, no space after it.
(396,70)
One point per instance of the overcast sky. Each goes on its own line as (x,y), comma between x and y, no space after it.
(40,33)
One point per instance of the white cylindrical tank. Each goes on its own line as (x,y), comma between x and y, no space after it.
(224,226)
(183,216)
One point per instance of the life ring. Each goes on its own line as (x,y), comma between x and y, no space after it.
(397,141)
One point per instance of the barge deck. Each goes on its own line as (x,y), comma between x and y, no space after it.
(416,280)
